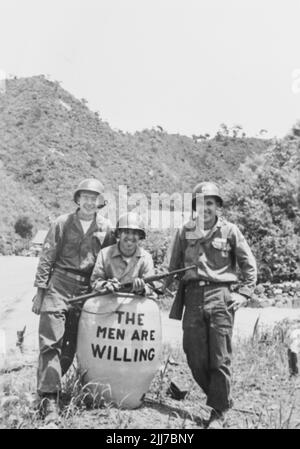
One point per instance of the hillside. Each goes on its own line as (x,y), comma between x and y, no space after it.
(49,140)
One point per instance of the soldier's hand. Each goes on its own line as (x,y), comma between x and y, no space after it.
(38,300)
(138,285)
(237,301)
(99,286)
(163,286)
(112,285)
(168,292)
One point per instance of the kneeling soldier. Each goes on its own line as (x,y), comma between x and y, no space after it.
(126,261)
(209,304)
(65,266)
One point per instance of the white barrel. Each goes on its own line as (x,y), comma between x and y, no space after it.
(119,347)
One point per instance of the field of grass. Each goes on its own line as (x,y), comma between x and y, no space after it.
(265,397)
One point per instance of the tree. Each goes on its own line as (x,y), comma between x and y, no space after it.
(224,129)
(236,129)
(263,203)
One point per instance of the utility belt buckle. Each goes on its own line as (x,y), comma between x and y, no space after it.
(71,275)
(203,283)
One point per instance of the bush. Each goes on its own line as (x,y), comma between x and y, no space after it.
(263,204)
(157,244)
(23,227)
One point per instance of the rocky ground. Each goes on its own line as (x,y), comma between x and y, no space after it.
(286,294)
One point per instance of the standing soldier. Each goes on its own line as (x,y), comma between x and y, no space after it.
(65,266)
(209,304)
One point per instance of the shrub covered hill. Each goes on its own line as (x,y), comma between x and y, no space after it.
(49,140)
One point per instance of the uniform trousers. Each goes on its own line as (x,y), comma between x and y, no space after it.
(58,331)
(207,335)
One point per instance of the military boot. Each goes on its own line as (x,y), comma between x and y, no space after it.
(216,420)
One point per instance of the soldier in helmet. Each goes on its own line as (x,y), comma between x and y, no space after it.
(205,294)
(68,257)
(126,261)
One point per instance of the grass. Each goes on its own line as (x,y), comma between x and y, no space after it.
(265,397)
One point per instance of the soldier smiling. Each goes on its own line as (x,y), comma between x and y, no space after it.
(68,257)
(217,249)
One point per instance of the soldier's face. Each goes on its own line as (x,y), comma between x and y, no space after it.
(129,239)
(210,209)
(88,202)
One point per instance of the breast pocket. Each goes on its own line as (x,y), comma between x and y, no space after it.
(220,252)
(71,244)
(71,236)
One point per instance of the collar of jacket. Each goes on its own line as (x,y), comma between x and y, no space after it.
(92,219)
(219,223)
(116,252)
(212,230)
(191,226)
(101,223)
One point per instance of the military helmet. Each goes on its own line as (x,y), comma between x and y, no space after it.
(90,185)
(131,221)
(206,189)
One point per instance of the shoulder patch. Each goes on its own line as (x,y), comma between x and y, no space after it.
(46,246)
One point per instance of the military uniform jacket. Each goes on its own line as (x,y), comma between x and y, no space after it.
(68,248)
(112,264)
(217,255)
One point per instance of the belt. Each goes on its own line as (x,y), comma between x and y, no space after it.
(203,283)
(76,277)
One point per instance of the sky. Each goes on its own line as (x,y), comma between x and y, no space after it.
(185,65)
